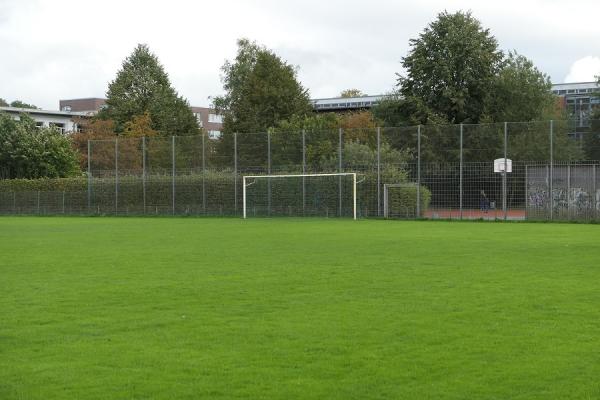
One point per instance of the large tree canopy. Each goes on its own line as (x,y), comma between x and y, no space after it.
(451,67)
(142,86)
(261,89)
(521,91)
(456,74)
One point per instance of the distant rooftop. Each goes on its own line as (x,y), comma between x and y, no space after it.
(42,112)
(346,103)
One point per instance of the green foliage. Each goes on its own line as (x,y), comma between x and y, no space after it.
(451,68)
(20,104)
(261,89)
(521,91)
(531,142)
(3,103)
(395,110)
(456,74)
(27,151)
(403,201)
(321,137)
(142,86)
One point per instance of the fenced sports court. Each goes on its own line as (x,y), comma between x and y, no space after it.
(514,171)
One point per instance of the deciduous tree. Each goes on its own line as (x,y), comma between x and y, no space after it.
(261,89)
(451,68)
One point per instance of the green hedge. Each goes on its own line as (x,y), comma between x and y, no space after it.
(211,193)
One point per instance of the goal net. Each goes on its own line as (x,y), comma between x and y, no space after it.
(319,195)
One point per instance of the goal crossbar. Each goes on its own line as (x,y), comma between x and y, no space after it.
(352,174)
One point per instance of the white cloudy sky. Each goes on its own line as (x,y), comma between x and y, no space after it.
(53,49)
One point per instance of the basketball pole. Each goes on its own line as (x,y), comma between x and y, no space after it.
(504,172)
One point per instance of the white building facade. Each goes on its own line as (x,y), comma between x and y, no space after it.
(62,120)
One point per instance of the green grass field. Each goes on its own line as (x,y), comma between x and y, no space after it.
(108,308)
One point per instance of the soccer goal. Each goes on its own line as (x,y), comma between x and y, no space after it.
(323,195)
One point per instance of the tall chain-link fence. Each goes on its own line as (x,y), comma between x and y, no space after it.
(536,171)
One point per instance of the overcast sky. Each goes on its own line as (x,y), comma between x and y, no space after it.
(61,49)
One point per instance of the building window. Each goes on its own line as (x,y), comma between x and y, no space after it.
(57,125)
(214,134)
(66,108)
(215,118)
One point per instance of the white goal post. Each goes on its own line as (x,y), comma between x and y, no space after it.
(249,180)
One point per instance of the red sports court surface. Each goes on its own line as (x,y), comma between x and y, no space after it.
(447,213)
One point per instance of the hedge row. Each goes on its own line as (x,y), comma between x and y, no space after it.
(211,193)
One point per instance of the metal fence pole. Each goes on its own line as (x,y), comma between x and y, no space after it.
(594,190)
(89,174)
(235,173)
(504,173)
(173,173)
(203,176)
(340,170)
(569,191)
(63,202)
(379,171)
(144,172)
(551,179)
(303,172)
(269,173)
(38,202)
(461,173)
(419,171)
(117,176)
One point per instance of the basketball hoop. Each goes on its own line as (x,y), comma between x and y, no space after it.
(500,163)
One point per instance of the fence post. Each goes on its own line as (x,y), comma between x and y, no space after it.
(269,173)
(144,172)
(340,170)
(379,171)
(89,180)
(419,171)
(569,191)
(551,179)
(38,202)
(303,172)
(116,176)
(203,176)
(595,188)
(526,193)
(63,202)
(235,173)
(504,176)
(14,202)
(461,173)
(173,173)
